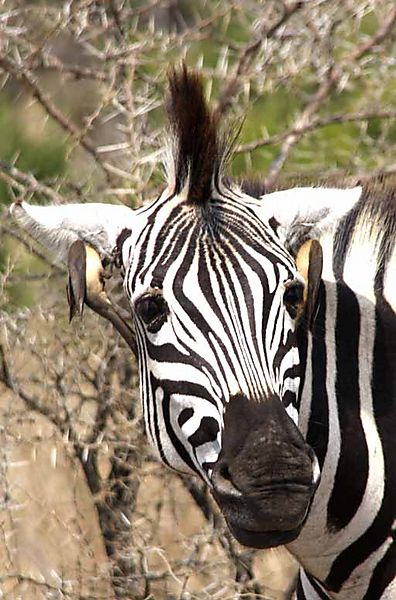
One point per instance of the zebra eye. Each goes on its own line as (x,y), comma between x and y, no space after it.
(293,297)
(153,310)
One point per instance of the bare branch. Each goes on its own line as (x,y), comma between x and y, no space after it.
(317,123)
(26,183)
(248,55)
(332,77)
(25,76)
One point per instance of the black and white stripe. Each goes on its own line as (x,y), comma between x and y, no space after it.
(227,333)
(348,410)
(223,281)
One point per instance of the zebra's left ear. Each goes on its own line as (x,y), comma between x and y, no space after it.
(301,214)
(309,261)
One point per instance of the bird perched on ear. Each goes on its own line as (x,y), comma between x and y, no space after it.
(76,287)
(86,285)
(86,278)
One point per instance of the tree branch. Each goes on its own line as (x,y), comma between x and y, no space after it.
(333,76)
(248,54)
(26,77)
(317,123)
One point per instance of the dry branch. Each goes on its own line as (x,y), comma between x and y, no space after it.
(332,77)
(249,54)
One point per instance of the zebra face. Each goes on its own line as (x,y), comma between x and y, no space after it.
(216,298)
(216,301)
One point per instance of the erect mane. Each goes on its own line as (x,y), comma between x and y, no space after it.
(196,152)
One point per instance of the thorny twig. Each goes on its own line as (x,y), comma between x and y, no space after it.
(334,73)
(249,53)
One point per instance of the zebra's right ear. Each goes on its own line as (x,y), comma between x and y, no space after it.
(57,227)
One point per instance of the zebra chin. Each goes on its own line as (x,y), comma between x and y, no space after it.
(266,474)
(265,519)
(262,540)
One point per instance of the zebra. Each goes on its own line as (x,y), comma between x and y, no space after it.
(265,330)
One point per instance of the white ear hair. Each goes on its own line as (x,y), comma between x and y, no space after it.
(306,213)
(57,227)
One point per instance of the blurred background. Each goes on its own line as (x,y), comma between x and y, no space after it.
(85,510)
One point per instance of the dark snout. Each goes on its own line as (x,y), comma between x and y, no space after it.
(265,476)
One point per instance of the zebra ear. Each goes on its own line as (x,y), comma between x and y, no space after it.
(57,227)
(83,236)
(301,214)
(309,261)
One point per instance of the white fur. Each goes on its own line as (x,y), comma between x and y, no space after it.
(361,262)
(317,209)
(57,227)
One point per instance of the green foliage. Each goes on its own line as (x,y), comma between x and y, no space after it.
(42,155)
(273,100)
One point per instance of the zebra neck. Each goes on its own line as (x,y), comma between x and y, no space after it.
(340,402)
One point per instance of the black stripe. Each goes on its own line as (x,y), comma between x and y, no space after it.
(234,261)
(152,387)
(191,309)
(274,329)
(347,492)
(144,381)
(185,416)
(236,254)
(184,388)
(319,591)
(302,342)
(177,445)
(168,244)
(206,432)
(383,574)
(168,353)
(300,590)
(384,400)
(318,588)
(317,435)
(342,240)
(384,394)
(144,240)
(355,554)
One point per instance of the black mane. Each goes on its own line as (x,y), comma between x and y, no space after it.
(198,155)
(377,209)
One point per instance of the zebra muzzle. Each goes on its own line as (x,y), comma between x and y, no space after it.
(266,474)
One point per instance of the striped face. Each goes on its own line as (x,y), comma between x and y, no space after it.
(213,295)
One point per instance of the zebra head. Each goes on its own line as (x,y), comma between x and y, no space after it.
(220,286)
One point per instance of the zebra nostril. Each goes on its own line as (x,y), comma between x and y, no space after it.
(222,481)
(224,472)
